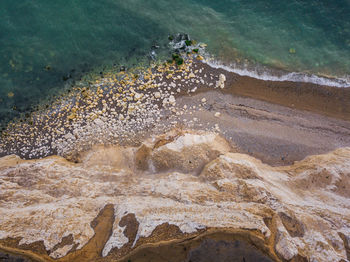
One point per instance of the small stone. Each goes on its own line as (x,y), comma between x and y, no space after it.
(292,50)
(204,100)
(221,82)
(137,96)
(157,94)
(222,78)
(172,100)
(217,114)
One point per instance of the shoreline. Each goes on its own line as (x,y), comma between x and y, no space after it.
(322,99)
(296,100)
(267,73)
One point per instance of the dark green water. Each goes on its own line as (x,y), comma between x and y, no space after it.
(45,45)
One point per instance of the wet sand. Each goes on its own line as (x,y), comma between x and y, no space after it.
(325,100)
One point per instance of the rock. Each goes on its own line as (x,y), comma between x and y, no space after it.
(217,114)
(142,157)
(111,157)
(188,152)
(137,96)
(221,82)
(222,78)
(315,173)
(292,50)
(187,186)
(157,94)
(294,227)
(231,166)
(98,122)
(172,100)
(199,57)
(284,246)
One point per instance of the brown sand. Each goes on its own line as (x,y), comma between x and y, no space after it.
(325,100)
(275,134)
(277,122)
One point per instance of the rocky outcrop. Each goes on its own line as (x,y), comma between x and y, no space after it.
(176,151)
(117,202)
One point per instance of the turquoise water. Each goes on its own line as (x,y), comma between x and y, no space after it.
(47,45)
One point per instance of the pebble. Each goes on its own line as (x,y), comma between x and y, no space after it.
(111,109)
(157,94)
(172,100)
(191,75)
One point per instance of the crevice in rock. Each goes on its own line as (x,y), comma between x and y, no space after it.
(294,227)
(346,244)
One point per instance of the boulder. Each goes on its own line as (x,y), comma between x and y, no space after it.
(185,152)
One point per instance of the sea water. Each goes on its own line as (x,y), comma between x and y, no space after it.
(45,46)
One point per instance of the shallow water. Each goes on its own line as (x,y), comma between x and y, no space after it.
(45,46)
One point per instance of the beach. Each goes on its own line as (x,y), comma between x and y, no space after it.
(295,119)
(174,159)
(181,131)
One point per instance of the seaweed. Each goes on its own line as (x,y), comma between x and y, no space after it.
(179,61)
(188,42)
(175,56)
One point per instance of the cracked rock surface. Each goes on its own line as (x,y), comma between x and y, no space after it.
(177,186)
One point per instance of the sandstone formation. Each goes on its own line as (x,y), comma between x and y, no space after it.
(175,189)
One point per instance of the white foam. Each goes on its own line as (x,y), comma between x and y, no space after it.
(293,76)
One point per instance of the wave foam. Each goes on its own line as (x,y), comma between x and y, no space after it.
(266,74)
